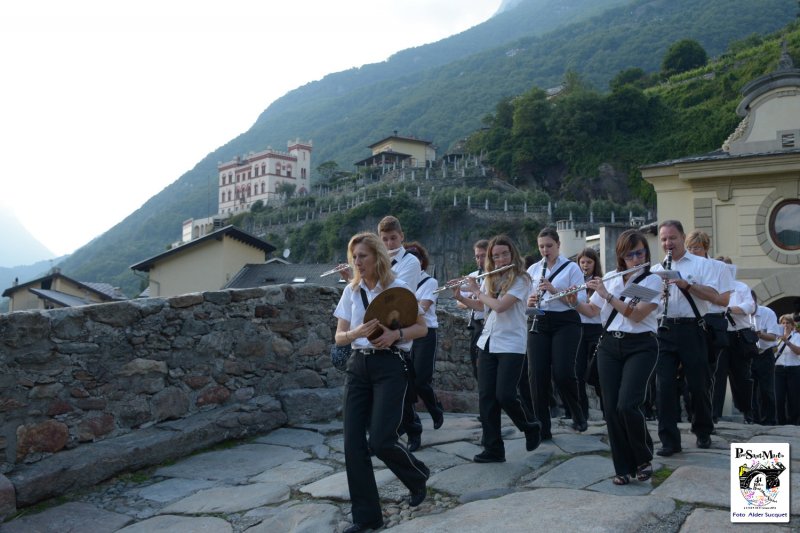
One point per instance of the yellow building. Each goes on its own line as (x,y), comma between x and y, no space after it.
(56,290)
(205,264)
(745,195)
(399,151)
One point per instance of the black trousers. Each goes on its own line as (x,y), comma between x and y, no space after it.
(589,337)
(375,390)
(475,334)
(762,370)
(498,376)
(733,362)
(551,355)
(683,344)
(787,394)
(625,366)
(423,361)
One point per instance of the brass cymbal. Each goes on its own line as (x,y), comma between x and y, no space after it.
(395,308)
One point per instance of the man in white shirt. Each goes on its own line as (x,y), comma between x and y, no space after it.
(763,365)
(475,325)
(404,265)
(735,359)
(682,341)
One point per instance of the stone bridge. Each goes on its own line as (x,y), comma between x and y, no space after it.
(89,392)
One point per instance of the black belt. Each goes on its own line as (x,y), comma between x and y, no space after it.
(718,315)
(375,351)
(626,335)
(681,320)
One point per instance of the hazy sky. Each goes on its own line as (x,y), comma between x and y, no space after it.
(99,94)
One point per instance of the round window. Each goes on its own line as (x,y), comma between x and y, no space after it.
(784,225)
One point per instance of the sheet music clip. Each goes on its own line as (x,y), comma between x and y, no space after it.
(667,274)
(533,311)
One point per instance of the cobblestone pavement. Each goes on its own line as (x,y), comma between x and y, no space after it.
(293,480)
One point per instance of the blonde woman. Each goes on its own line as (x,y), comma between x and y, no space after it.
(502,347)
(375,386)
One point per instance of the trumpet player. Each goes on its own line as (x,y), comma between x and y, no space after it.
(502,343)
(553,347)
(682,340)
(626,356)
(475,324)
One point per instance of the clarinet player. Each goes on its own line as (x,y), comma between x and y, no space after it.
(553,341)
(682,340)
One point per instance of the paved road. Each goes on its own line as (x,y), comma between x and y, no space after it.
(292,480)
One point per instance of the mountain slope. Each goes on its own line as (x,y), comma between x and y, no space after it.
(17,245)
(439,92)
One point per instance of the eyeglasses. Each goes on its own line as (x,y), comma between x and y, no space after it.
(695,248)
(500,255)
(635,253)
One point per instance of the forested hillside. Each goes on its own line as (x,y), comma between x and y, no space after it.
(441,101)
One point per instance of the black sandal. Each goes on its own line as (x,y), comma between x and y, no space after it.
(644,472)
(621,479)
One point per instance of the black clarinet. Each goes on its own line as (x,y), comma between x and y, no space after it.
(534,322)
(662,323)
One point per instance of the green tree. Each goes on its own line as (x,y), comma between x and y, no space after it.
(630,76)
(285,189)
(328,170)
(683,55)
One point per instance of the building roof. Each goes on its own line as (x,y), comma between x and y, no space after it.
(103,290)
(376,158)
(228,231)
(718,155)
(61,298)
(400,138)
(279,272)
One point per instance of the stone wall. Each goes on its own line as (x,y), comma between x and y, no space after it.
(243,361)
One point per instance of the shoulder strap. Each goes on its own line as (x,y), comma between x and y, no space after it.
(422,281)
(694,306)
(614,312)
(558,271)
(396,260)
(364,298)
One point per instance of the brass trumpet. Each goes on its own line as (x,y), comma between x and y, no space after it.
(340,268)
(457,282)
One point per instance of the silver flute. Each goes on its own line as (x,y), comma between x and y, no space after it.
(582,286)
(457,282)
(340,268)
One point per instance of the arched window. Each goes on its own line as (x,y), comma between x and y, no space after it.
(784,225)
(222,197)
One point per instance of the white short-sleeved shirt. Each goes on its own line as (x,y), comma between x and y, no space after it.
(742,298)
(509,329)
(694,269)
(788,357)
(767,322)
(477,315)
(351,308)
(723,282)
(425,289)
(615,286)
(406,267)
(570,276)
(589,319)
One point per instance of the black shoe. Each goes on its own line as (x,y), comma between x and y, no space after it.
(533,437)
(359,528)
(580,426)
(438,417)
(704,442)
(416,497)
(414,442)
(486,457)
(666,451)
